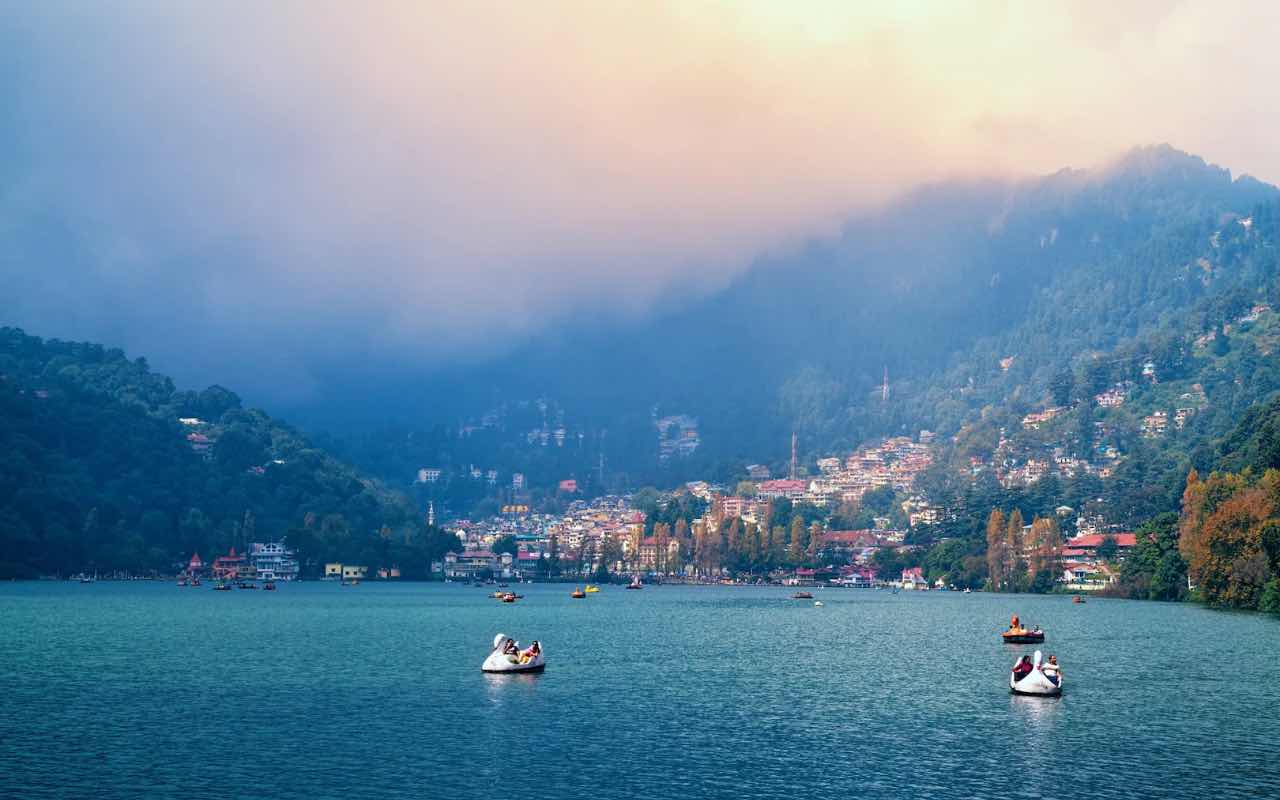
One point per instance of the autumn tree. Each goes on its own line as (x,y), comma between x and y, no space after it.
(1017,561)
(997,549)
(1044,545)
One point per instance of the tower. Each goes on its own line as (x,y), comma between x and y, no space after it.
(431,514)
(793,455)
(884,387)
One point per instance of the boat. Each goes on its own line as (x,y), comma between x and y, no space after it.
(1016,634)
(1023,636)
(1034,682)
(967,590)
(592,589)
(817,604)
(635,583)
(502,661)
(1078,600)
(269,586)
(802,596)
(511,597)
(577,594)
(195,581)
(182,581)
(222,586)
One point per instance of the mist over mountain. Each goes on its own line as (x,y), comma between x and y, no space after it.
(933,283)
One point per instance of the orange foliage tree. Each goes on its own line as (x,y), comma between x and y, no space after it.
(1227,523)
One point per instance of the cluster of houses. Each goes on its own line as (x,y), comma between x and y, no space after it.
(677,436)
(268,561)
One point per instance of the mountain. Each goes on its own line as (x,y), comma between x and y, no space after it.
(105,466)
(933,290)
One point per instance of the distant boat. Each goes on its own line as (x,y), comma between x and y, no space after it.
(592,589)
(222,586)
(269,586)
(577,594)
(967,590)
(635,583)
(1078,599)
(802,596)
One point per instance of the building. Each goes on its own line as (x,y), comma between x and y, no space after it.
(569,486)
(273,561)
(428,475)
(230,566)
(758,472)
(1086,546)
(470,564)
(351,572)
(913,578)
(791,490)
(195,566)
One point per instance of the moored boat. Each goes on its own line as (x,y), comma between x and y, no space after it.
(1078,600)
(577,594)
(802,596)
(635,583)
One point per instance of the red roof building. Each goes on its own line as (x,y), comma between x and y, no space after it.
(229,566)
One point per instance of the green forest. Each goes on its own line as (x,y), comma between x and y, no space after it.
(99,473)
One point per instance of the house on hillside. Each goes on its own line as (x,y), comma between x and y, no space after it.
(913,578)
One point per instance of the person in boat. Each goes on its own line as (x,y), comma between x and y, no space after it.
(510,649)
(1023,669)
(531,653)
(1051,670)
(1015,625)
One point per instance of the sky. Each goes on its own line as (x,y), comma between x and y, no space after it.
(255,194)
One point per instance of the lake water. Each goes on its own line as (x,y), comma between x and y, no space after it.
(116,690)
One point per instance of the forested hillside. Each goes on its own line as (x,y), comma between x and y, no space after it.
(98,470)
(981,300)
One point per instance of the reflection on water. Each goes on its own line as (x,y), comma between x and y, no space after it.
(1037,714)
(499,684)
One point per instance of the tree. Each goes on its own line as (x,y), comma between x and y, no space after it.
(1017,562)
(1108,548)
(1044,545)
(997,550)
(1061,386)
(797,543)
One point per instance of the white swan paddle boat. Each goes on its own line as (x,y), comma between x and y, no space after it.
(1035,682)
(500,660)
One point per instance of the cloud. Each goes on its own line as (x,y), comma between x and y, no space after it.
(431,182)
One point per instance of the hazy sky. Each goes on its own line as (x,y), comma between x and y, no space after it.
(243,189)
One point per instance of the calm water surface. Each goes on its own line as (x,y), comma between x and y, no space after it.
(149,690)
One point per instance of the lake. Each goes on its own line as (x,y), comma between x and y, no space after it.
(126,690)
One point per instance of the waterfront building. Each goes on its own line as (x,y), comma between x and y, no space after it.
(273,561)
(230,566)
